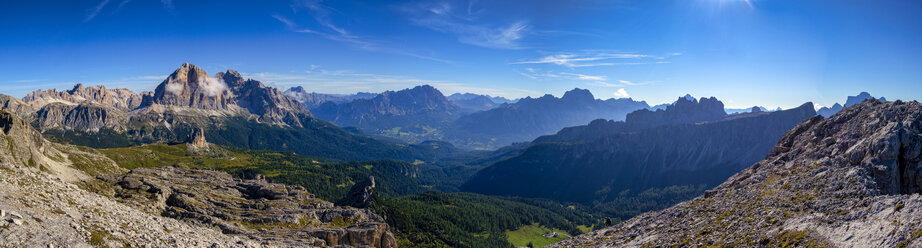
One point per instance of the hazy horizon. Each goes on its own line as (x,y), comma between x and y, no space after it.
(744,52)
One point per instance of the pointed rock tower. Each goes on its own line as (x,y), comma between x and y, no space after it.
(197,139)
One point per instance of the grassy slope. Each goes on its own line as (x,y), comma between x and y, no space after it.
(327,179)
(534,234)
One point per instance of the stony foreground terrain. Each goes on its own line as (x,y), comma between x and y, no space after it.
(40,210)
(54,195)
(41,204)
(852,180)
(273,213)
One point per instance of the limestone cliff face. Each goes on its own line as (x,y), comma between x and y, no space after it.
(16,106)
(197,139)
(190,86)
(852,180)
(276,214)
(190,91)
(84,117)
(121,99)
(20,145)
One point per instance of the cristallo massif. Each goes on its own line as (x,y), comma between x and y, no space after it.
(852,180)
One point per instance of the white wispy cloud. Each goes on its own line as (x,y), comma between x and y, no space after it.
(617,83)
(92,12)
(322,15)
(594,80)
(122,4)
(539,75)
(28,80)
(621,93)
(288,23)
(320,12)
(168,4)
(573,60)
(585,77)
(444,17)
(625,82)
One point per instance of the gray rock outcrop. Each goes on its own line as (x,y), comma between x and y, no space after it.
(253,208)
(122,99)
(360,195)
(197,139)
(84,117)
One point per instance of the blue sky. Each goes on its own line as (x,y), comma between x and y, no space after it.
(757,52)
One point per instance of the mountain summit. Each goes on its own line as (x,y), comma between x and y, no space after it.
(189,89)
(851,100)
(190,86)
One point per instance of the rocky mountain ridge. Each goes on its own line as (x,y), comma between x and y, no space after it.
(312,100)
(606,159)
(530,118)
(850,180)
(230,109)
(120,98)
(685,110)
(851,100)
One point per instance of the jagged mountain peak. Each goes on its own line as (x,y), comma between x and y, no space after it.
(192,91)
(299,89)
(188,73)
(78,87)
(577,94)
(852,100)
(424,93)
(682,111)
(424,90)
(119,98)
(230,76)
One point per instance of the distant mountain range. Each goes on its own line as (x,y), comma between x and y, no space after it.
(474,102)
(313,100)
(753,109)
(424,113)
(415,114)
(532,117)
(851,100)
(232,111)
(688,143)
